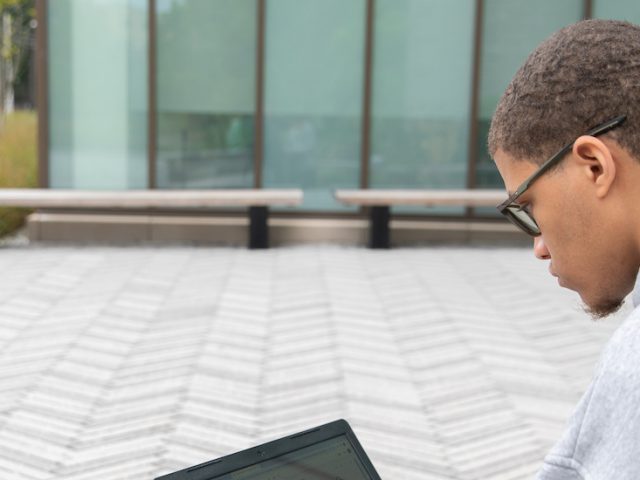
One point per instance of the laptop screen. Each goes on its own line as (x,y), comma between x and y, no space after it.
(332,459)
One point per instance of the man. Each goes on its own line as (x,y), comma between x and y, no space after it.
(566,140)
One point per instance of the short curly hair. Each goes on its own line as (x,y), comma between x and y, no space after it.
(583,75)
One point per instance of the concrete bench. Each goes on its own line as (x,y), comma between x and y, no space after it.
(257,201)
(381,201)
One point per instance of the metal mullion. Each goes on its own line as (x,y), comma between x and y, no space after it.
(472,151)
(152,132)
(365,146)
(42,92)
(258,150)
(587,9)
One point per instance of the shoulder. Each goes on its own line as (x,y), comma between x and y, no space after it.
(620,358)
(625,340)
(614,395)
(603,434)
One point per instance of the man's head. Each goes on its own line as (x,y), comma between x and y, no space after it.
(587,206)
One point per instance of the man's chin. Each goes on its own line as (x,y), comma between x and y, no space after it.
(602,308)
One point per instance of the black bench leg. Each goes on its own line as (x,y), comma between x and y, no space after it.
(258,232)
(379,227)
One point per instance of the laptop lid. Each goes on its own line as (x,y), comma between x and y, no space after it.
(327,452)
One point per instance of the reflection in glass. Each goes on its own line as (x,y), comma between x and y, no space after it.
(313,97)
(206,93)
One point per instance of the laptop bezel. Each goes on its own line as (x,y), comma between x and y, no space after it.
(276,448)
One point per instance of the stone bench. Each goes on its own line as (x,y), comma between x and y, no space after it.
(380,201)
(257,201)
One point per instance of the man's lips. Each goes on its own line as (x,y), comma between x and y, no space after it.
(553,274)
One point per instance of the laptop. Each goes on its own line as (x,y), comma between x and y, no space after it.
(327,452)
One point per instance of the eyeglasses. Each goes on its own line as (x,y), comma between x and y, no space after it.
(519,214)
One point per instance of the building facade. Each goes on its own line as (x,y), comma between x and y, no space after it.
(316,94)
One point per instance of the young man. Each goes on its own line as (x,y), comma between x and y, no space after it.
(566,140)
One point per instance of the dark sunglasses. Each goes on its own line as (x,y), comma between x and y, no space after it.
(518,214)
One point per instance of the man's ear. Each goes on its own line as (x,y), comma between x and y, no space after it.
(596,161)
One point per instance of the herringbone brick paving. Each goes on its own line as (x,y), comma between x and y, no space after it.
(449,363)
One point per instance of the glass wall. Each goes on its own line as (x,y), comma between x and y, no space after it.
(206,57)
(314,58)
(511,29)
(312,90)
(421,93)
(97,94)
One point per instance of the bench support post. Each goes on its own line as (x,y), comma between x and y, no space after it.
(379,227)
(258,232)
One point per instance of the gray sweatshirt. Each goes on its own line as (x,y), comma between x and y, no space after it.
(602,439)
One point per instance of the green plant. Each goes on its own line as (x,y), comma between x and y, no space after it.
(18,162)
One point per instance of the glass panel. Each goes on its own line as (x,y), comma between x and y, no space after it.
(421,94)
(98,94)
(628,10)
(313,97)
(512,28)
(206,93)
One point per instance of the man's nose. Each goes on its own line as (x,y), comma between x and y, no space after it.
(540,250)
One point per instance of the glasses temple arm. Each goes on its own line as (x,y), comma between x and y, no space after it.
(600,130)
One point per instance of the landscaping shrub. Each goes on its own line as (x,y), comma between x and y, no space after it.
(18,162)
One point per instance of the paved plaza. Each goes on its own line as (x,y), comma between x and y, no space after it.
(128,363)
